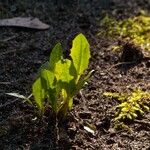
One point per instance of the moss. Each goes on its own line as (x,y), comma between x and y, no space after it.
(136,29)
(131,104)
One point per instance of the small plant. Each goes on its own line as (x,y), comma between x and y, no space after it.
(131,104)
(60,79)
(136,29)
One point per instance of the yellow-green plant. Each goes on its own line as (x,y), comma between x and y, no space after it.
(136,29)
(131,104)
(60,79)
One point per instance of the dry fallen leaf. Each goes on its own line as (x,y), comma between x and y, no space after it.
(33,23)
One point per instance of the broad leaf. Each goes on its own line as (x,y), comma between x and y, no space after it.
(80,54)
(56,55)
(48,84)
(47,79)
(39,93)
(63,72)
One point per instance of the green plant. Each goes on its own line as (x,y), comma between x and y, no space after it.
(136,29)
(60,79)
(131,104)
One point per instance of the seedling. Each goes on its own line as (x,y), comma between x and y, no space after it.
(131,104)
(60,79)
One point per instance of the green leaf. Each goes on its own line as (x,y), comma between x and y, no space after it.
(48,84)
(136,108)
(129,116)
(39,93)
(66,82)
(125,109)
(82,81)
(141,111)
(64,71)
(134,115)
(146,107)
(47,78)
(56,55)
(70,103)
(122,105)
(80,54)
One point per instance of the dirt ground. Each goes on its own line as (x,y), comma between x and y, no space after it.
(22,51)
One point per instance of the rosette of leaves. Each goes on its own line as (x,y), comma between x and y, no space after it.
(131,104)
(59,79)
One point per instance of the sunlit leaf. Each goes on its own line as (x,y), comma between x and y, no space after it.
(129,116)
(48,83)
(146,107)
(39,93)
(134,115)
(56,55)
(80,54)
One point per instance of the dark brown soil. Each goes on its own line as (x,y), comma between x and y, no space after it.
(22,51)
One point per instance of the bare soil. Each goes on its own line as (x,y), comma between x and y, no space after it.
(22,51)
